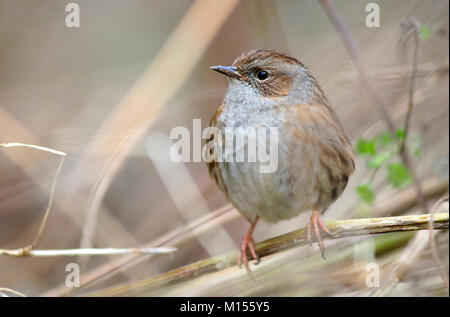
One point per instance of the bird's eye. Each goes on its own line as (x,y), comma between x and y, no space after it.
(262,75)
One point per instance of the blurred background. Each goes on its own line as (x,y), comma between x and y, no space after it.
(109,92)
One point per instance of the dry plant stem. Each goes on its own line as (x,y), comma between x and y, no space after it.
(338,228)
(412,81)
(94,205)
(402,201)
(349,43)
(30,162)
(176,237)
(434,251)
(398,73)
(4,290)
(28,250)
(140,106)
(406,199)
(354,54)
(52,190)
(32,146)
(23,252)
(49,206)
(409,256)
(405,261)
(403,152)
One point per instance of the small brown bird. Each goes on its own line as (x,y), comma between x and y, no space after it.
(315,157)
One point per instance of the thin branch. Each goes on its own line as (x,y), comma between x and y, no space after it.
(352,49)
(50,204)
(403,153)
(401,202)
(52,190)
(436,259)
(4,290)
(23,252)
(408,257)
(36,147)
(399,73)
(412,23)
(28,250)
(176,237)
(339,229)
(149,94)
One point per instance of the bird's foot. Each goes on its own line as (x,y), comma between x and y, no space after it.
(248,244)
(316,225)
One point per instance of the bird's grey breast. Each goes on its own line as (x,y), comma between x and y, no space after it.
(269,195)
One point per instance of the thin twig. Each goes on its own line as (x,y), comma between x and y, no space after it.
(412,81)
(23,252)
(142,103)
(338,228)
(95,200)
(176,237)
(352,49)
(50,203)
(415,25)
(52,190)
(399,73)
(403,153)
(28,250)
(408,257)
(405,261)
(8,290)
(36,147)
(402,201)
(436,259)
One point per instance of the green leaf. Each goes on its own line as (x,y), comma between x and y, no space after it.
(384,138)
(378,160)
(366,193)
(365,147)
(398,175)
(400,133)
(424,32)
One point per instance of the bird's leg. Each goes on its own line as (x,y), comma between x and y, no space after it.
(315,223)
(248,243)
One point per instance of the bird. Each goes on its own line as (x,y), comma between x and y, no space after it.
(270,89)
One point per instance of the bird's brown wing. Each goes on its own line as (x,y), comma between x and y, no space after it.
(319,131)
(213,168)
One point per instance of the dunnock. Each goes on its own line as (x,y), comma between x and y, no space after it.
(315,157)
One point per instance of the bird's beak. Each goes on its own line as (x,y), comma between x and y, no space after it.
(229,71)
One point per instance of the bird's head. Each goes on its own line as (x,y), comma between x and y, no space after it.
(268,75)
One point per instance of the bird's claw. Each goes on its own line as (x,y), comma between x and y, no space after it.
(315,224)
(247,244)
